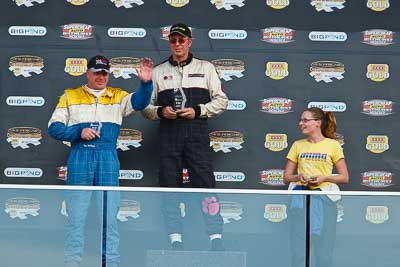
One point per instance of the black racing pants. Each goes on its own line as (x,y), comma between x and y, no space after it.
(185,143)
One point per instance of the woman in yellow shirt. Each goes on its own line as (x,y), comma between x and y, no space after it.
(309,166)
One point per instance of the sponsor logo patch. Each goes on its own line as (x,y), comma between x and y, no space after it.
(327,5)
(28,3)
(377,107)
(377,143)
(27,31)
(277,35)
(127,3)
(326,71)
(124,67)
(23,172)
(177,3)
(377,214)
(231,211)
(130,175)
(127,32)
(329,106)
(229,176)
(327,36)
(275,212)
(78,2)
(276,105)
(227,4)
(377,37)
(24,136)
(272,177)
(228,68)
(75,66)
(226,140)
(128,138)
(277,4)
(378,5)
(377,179)
(62,173)
(277,70)
(275,142)
(77,31)
(25,101)
(219,34)
(378,72)
(21,207)
(25,65)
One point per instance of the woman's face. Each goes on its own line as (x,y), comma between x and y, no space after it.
(308,124)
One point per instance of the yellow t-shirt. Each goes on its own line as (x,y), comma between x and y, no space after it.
(315,158)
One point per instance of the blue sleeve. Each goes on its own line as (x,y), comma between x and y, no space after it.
(141,98)
(59,131)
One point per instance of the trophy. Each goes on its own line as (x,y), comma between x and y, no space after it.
(309,171)
(96,126)
(179,99)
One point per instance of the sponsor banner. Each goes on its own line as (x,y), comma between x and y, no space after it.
(27,31)
(378,72)
(227,4)
(275,212)
(377,143)
(276,105)
(277,35)
(75,66)
(277,70)
(62,173)
(231,211)
(219,34)
(272,177)
(227,68)
(28,3)
(21,207)
(377,179)
(77,31)
(124,67)
(377,37)
(326,71)
(25,101)
(24,136)
(177,3)
(340,138)
(127,32)
(377,214)
(226,140)
(127,3)
(327,36)
(229,176)
(128,138)
(130,175)
(377,107)
(327,5)
(25,65)
(78,2)
(329,106)
(378,5)
(277,4)
(236,105)
(275,142)
(128,209)
(23,172)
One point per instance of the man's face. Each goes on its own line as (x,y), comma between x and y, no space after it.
(180,46)
(97,80)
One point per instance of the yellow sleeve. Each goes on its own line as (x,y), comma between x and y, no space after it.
(337,152)
(293,155)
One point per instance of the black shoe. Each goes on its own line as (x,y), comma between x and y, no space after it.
(216,245)
(177,245)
